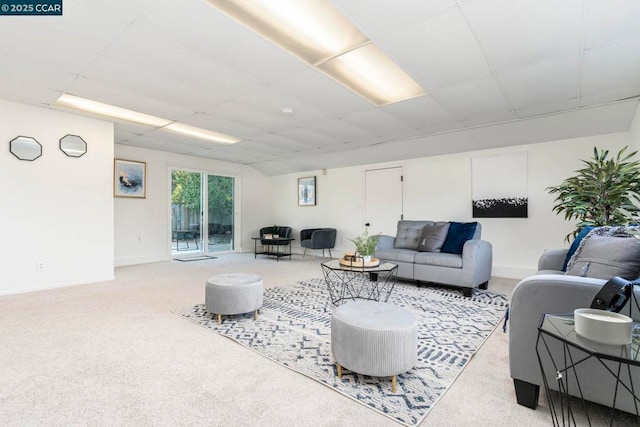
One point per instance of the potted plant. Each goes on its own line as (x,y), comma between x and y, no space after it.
(595,194)
(366,245)
(275,231)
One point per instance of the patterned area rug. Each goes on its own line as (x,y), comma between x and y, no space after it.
(294,330)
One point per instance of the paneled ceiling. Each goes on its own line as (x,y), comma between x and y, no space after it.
(496,73)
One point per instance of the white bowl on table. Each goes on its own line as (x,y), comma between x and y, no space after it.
(603,326)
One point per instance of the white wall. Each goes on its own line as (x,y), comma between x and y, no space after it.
(439,188)
(56,210)
(149,220)
(635,131)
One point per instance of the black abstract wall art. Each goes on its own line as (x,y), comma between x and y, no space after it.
(499,185)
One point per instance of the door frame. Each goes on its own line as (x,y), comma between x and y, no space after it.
(204,214)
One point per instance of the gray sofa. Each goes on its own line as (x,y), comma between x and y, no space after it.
(469,269)
(551,291)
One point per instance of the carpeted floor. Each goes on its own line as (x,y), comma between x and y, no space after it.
(294,330)
(112,353)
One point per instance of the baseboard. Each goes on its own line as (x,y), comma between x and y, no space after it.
(59,285)
(512,272)
(122,262)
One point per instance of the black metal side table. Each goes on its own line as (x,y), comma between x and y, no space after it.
(622,362)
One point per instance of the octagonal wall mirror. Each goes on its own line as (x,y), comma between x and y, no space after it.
(73,145)
(25,148)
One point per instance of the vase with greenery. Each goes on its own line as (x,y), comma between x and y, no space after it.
(595,194)
(366,245)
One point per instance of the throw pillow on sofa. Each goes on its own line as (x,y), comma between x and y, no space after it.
(574,245)
(433,237)
(459,233)
(606,252)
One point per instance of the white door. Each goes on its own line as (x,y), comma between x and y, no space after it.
(383,200)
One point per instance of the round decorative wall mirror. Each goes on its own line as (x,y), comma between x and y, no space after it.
(25,148)
(73,145)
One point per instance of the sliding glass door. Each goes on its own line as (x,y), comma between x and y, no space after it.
(220,213)
(202,212)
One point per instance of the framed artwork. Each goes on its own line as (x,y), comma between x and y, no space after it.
(129,179)
(307,191)
(499,186)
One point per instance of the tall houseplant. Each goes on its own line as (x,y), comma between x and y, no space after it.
(595,194)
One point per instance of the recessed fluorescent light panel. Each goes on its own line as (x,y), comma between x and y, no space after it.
(316,32)
(313,30)
(371,73)
(200,133)
(114,112)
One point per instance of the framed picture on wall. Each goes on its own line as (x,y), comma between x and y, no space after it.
(307,191)
(129,179)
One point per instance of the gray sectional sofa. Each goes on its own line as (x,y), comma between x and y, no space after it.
(553,290)
(426,251)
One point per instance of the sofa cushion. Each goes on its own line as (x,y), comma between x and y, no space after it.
(408,234)
(606,252)
(439,259)
(399,255)
(433,237)
(459,233)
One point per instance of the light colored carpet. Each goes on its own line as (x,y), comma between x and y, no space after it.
(112,353)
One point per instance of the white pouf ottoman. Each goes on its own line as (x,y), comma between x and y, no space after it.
(374,338)
(234,293)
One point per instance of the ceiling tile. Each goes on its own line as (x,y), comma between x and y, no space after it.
(439,53)
(271,103)
(309,137)
(123,98)
(490,118)
(611,20)
(376,122)
(340,130)
(280,142)
(246,117)
(550,108)
(314,88)
(208,121)
(79,26)
(383,17)
(419,113)
(140,81)
(200,28)
(611,72)
(476,98)
(514,33)
(125,11)
(30,72)
(543,82)
(18,90)
(157,56)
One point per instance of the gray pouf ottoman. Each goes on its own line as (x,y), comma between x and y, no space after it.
(234,293)
(374,338)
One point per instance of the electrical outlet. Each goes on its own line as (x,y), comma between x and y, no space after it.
(40,265)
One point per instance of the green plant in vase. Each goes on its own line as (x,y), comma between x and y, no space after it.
(366,245)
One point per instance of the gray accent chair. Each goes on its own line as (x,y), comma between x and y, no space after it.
(551,291)
(469,270)
(318,238)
